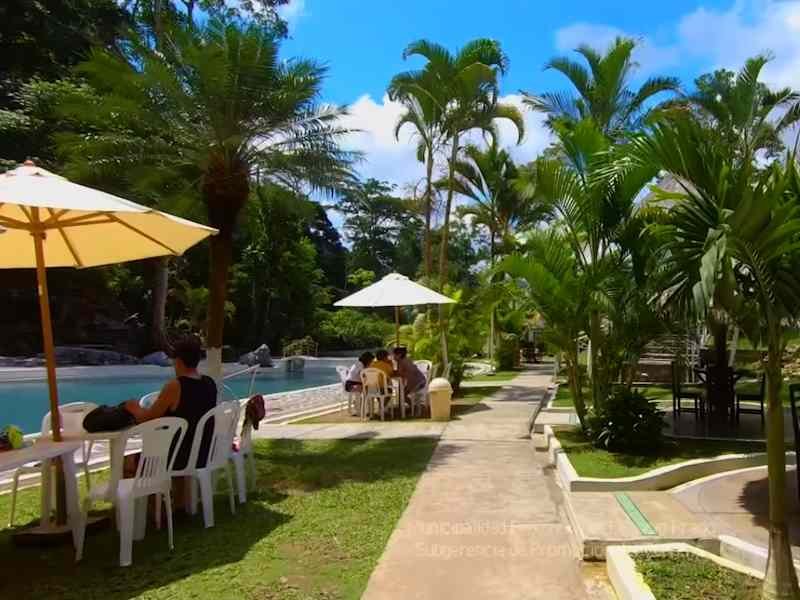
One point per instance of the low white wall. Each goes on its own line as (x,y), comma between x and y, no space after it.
(662,478)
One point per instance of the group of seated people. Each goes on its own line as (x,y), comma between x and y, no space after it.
(398,366)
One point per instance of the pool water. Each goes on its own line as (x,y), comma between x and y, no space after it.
(25,403)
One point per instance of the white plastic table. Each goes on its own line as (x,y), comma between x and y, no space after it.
(45,451)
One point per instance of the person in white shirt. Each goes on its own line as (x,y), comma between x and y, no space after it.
(353,383)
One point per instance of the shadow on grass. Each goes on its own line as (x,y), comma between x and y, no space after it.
(279,531)
(51,572)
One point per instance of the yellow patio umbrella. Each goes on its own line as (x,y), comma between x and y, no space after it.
(48,221)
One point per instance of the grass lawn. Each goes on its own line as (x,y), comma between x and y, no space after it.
(590,461)
(563,398)
(466,401)
(497,376)
(314,530)
(684,576)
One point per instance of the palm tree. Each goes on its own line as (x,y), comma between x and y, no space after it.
(464,87)
(730,249)
(212,107)
(424,114)
(488,177)
(597,212)
(742,111)
(556,289)
(602,90)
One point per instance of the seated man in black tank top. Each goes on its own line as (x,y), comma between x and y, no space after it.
(189,396)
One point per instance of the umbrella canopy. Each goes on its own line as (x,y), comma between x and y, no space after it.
(83,227)
(48,221)
(394,290)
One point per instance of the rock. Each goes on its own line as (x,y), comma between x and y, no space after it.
(260,356)
(76,355)
(159,359)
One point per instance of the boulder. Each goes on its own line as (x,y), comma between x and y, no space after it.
(260,356)
(160,359)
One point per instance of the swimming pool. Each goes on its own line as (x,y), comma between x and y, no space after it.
(24,403)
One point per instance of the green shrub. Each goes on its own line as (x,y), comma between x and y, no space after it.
(508,352)
(626,422)
(348,329)
(305,346)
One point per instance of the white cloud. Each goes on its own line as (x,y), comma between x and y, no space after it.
(293,12)
(393,160)
(726,38)
(714,38)
(652,57)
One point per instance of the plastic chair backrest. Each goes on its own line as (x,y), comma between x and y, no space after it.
(226,419)
(426,367)
(147,400)
(226,394)
(343,372)
(246,439)
(155,462)
(375,382)
(71,416)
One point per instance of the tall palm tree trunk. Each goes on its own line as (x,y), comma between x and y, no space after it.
(220,254)
(780,582)
(158,335)
(427,251)
(444,247)
(447,208)
(225,189)
(594,340)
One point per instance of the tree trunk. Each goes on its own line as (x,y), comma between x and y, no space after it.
(427,251)
(576,385)
(780,581)
(446,225)
(594,339)
(225,189)
(221,251)
(158,334)
(444,247)
(492,315)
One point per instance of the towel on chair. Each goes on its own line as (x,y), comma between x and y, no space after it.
(255,410)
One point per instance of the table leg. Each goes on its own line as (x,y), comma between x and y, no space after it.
(73,503)
(47,493)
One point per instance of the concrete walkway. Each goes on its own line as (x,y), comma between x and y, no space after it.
(483,522)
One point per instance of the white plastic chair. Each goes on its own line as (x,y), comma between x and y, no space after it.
(220,453)
(152,477)
(147,400)
(244,458)
(71,422)
(352,397)
(375,386)
(420,399)
(225,394)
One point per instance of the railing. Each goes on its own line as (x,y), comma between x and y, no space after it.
(252,370)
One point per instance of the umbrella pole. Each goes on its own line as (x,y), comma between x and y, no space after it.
(50,362)
(397,326)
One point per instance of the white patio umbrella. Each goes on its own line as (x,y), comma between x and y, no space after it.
(394,290)
(48,221)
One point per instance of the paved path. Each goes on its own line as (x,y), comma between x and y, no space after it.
(737,503)
(483,522)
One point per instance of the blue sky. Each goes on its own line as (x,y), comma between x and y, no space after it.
(362,42)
